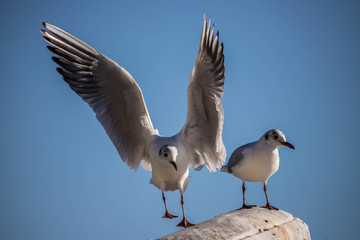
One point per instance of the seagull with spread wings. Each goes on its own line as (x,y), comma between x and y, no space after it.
(118,103)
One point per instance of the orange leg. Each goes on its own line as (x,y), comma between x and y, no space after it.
(167,214)
(268,206)
(244,206)
(184,223)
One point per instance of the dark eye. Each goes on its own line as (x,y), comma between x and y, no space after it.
(276,136)
(165,155)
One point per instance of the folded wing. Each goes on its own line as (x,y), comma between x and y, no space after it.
(203,128)
(109,90)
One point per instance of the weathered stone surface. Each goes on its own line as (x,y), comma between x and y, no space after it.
(255,223)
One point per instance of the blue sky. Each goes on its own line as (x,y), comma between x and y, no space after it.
(291,65)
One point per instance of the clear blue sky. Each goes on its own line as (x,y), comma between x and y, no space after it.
(291,65)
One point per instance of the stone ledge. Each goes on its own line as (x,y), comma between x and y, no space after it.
(255,223)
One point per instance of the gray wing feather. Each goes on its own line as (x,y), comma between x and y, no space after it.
(203,128)
(237,156)
(109,90)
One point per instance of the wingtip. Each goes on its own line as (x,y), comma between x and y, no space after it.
(55,59)
(51,48)
(59,70)
(47,39)
(44,24)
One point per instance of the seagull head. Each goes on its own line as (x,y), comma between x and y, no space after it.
(169,154)
(277,139)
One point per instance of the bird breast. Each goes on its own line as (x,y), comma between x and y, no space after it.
(163,173)
(257,166)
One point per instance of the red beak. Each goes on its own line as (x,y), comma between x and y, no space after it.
(288,145)
(174,164)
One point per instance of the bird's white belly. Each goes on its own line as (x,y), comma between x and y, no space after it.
(166,178)
(256,168)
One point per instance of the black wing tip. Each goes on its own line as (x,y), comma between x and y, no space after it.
(46,39)
(52,49)
(56,59)
(44,24)
(59,70)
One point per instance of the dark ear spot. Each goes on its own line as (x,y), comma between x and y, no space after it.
(267,137)
(162,149)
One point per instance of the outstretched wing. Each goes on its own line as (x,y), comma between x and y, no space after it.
(109,90)
(204,123)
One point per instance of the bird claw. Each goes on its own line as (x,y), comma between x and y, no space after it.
(270,207)
(244,206)
(169,215)
(184,223)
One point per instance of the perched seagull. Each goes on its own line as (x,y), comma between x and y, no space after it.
(257,161)
(118,103)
